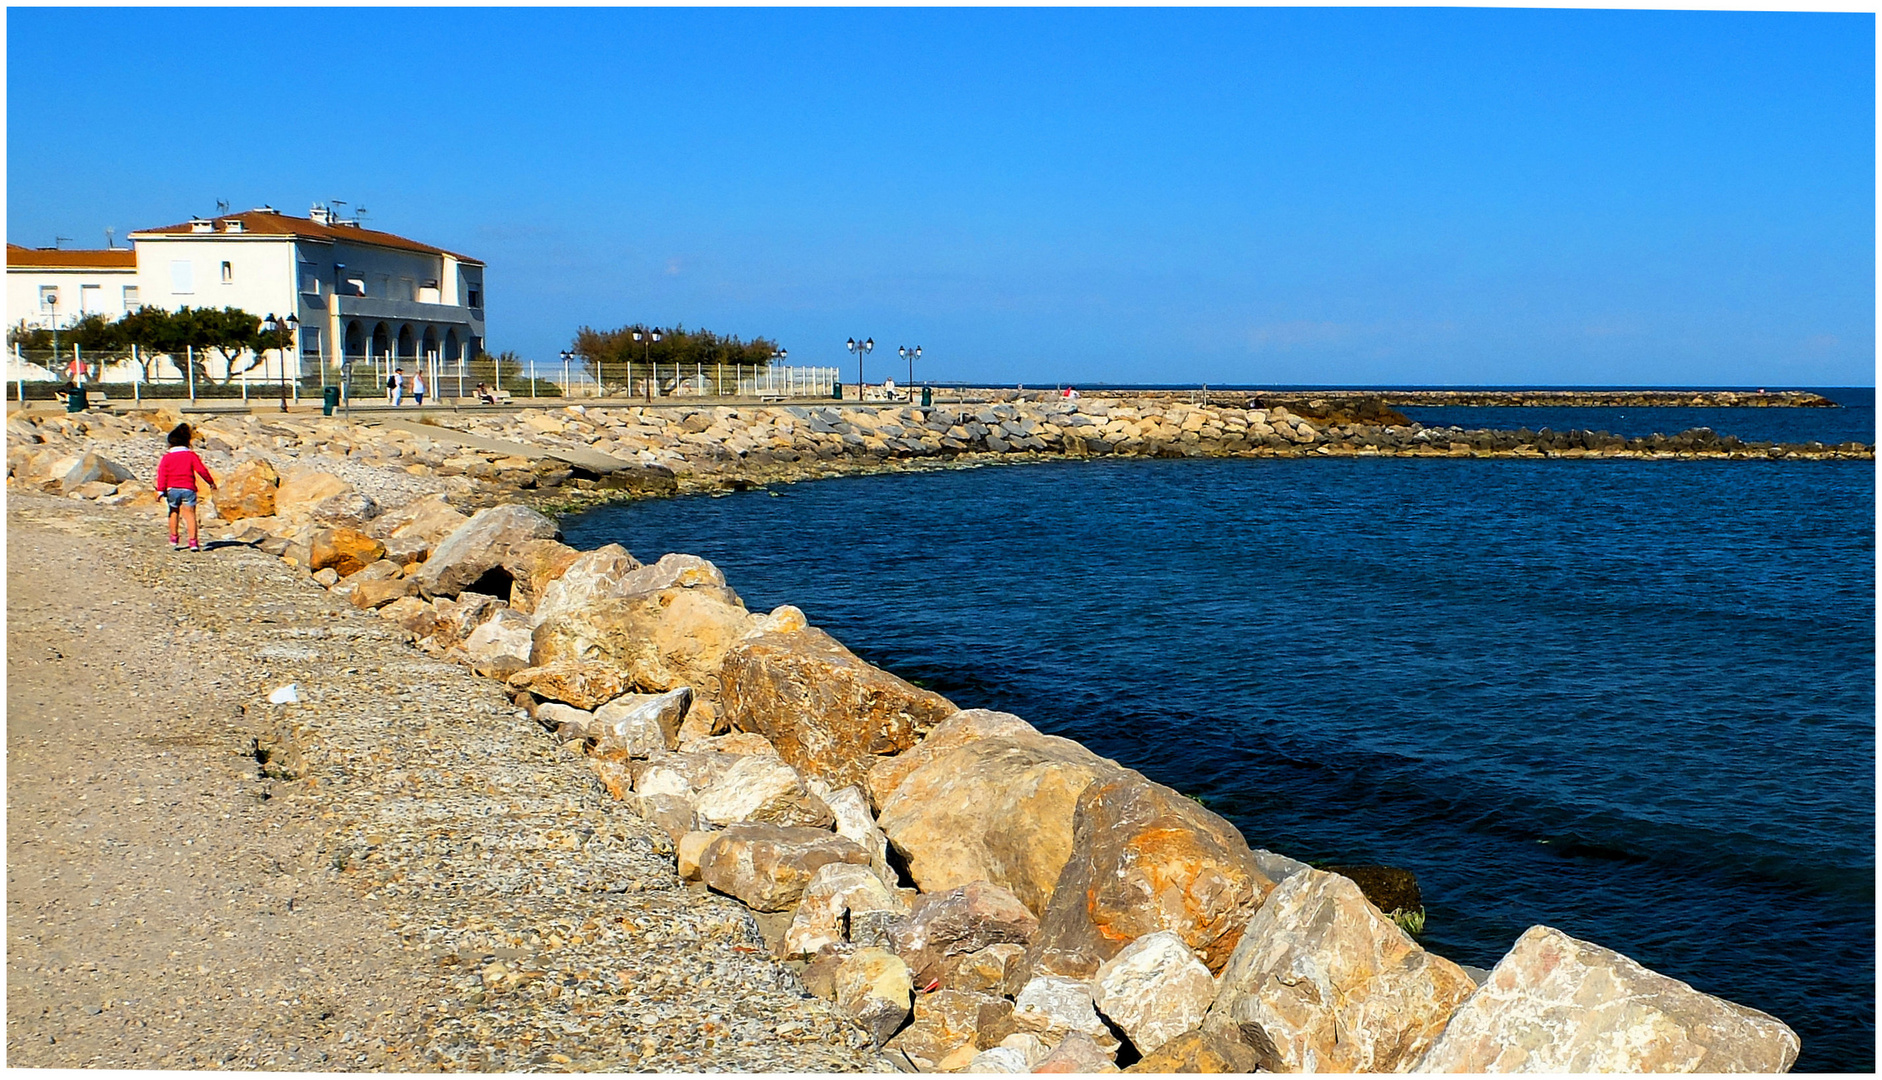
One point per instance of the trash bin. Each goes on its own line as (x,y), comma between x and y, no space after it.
(75,399)
(329,400)
(836,391)
(927,397)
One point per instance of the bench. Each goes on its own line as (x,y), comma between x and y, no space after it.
(499,397)
(95,398)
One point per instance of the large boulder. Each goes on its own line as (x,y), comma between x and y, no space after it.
(429,518)
(458,617)
(594,575)
(1154,990)
(378,593)
(346,550)
(766,867)
(1332,984)
(836,891)
(963,727)
(872,988)
(960,921)
(1203,1052)
(349,508)
(667,638)
(828,713)
(247,491)
(998,809)
(413,614)
(300,492)
(1052,1007)
(764,789)
(853,818)
(642,725)
(1147,859)
(70,474)
(533,565)
(1077,1053)
(946,1029)
(499,646)
(1557,1004)
(584,686)
(479,546)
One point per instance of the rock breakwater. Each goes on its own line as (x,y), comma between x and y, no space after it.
(976,895)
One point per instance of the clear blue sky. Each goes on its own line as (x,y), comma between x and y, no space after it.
(1333,196)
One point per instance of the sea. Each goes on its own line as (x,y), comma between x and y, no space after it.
(1632,700)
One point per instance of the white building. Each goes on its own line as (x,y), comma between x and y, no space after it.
(358,293)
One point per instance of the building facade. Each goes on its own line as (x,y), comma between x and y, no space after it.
(359,295)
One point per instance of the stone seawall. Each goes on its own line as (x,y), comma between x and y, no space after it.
(1690,399)
(974,894)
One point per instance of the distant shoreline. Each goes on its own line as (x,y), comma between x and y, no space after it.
(1592,398)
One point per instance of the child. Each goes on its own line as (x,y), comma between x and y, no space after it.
(176,479)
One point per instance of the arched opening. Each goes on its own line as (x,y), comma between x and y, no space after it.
(381,342)
(408,345)
(451,347)
(353,343)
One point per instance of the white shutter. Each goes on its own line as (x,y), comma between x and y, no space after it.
(182,278)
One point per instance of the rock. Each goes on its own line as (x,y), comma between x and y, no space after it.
(739,743)
(429,519)
(584,686)
(945,1027)
(499,647)
(411,613)
(346,550)
(992,970)
(377,594)
(1557,1004)
(247,491)
(533,565)
(566,721)
(1000,1059)
(299,492)
(97,489)
(614,776)
(1154,989)
(961,920)
(69,474)
(1332,984)
(1203,1052)
(819,975)
(872,988)
(766,867)
(828,713)
(823,914)
(763,789)
(593,576)
(348,508)
(1388,888)
(1052,1007)
(854,821)
(688,849)
(998,809)
(457,618)
(672,814)
(1077,1053)
(681,774)
(963,727)
(1147,859)
(326,578)
(642,725)
(474,549)
(665,639)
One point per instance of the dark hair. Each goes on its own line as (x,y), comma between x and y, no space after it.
(180,435)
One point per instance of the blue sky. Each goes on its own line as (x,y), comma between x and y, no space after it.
(1335,196)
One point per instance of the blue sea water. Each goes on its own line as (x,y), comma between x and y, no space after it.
(1631,700)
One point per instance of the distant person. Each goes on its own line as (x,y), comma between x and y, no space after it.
(177,471)
(486,395)
(395,386)
(418,388)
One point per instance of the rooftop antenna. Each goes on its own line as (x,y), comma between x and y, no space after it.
(359,213)
(337,212)
(222,206)
(57,240)
(111,238)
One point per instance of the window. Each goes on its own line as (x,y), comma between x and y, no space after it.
(310,340)
(228,273)
(48,297)
(310,281)
(130,298)
(476,298)
(182,279)
(91,299)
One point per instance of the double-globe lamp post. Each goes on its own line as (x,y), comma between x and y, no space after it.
(909,354)
(568,357)
(646,353)
(860,348)
(269,327)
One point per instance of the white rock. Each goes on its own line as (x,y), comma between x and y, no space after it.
(762,789)
(853,820)
(567,721)
(835,891)
(1154,990)
(643,724)
(1052,1007)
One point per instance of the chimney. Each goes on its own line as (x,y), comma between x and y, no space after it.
(320,214)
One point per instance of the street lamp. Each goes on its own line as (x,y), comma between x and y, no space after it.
(909,355)
(269,326)
(645,353)
(567,358)
(860,348)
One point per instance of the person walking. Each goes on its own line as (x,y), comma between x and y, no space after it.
(177,471)
(395,386)
(418,388)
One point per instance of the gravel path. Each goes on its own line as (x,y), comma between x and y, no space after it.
(426,881)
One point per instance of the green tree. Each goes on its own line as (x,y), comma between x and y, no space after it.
(608,353)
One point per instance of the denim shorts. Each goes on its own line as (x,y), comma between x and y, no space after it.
(180,496)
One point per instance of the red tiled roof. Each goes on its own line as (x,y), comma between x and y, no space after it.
(48,259)
(275,223)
